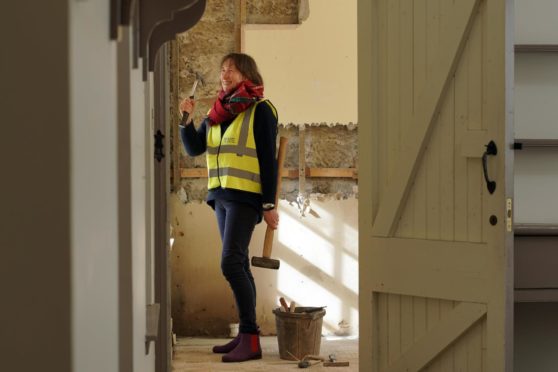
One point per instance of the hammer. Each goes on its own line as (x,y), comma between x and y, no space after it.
(199,79)
(305,362)
(265,261)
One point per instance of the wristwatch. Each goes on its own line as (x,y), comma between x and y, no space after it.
(268,206)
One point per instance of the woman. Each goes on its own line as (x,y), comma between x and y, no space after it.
(239,138)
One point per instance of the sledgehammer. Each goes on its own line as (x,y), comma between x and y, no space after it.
(266,261)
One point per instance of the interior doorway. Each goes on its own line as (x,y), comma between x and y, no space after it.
(318,246)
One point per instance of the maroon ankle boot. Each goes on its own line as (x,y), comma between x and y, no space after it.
(248,348)
(223,349)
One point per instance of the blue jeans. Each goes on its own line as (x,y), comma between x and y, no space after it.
(236,222)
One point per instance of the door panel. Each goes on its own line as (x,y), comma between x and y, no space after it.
(435,275)
(404,321)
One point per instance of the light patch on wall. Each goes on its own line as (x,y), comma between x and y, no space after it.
(303,241)
(349,265)
(294,285)
(328,223)
(319,263)
(310,70)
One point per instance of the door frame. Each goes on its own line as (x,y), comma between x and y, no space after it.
(161,78)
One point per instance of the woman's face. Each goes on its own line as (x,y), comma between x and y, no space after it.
(230,76)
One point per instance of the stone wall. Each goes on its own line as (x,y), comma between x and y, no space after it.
(199,51)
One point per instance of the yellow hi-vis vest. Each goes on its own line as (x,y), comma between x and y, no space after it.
(232,161)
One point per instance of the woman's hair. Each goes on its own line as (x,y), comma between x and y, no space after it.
(246,65)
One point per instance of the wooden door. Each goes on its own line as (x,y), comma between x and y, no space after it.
(436,246)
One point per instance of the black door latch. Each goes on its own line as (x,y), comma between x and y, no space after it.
(159,145)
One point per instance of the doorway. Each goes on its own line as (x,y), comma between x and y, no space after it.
(318,246)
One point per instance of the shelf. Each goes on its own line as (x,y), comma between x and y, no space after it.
(535,229)
(536,295)
(520,144)
(536,48)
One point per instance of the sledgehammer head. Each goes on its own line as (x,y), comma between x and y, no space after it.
(265,262)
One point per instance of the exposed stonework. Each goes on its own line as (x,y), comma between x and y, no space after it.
(275,11)
(200,51)
(325,147)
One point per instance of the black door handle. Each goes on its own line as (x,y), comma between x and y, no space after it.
(491,149)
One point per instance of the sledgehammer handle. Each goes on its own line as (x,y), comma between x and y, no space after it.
(268,240)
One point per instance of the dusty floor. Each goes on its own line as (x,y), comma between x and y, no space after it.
(194,354)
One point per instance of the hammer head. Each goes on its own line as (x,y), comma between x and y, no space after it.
(265,262)
(199,78)
(303,364)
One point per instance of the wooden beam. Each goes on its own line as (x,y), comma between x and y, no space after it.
(332,172)
(302,160)
(175,50)
(427,105)
(287,172)
(239,21)
(193,172)
(322,172)
(449,329)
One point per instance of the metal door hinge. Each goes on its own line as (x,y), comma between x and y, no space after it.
(152,314)
(509,215)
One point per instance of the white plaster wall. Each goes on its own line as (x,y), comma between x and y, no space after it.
(536,95)
(535,21)
(536,182)
(319,266)
(536,116)
(93,188)
(310,70)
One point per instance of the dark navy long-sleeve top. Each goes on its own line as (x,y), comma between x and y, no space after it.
(265,135)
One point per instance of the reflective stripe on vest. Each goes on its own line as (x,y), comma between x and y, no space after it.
(232,160)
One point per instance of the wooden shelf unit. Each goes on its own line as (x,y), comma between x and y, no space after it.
(535,229)
(536,48)
(521,143)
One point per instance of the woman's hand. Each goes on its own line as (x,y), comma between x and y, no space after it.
(188,105)
(271,217)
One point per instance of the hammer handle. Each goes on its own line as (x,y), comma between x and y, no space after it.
(185,115)
(268,240)
(336,364)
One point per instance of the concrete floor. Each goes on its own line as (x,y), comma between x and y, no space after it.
(194,354)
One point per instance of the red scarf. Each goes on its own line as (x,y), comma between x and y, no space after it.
(228,105)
